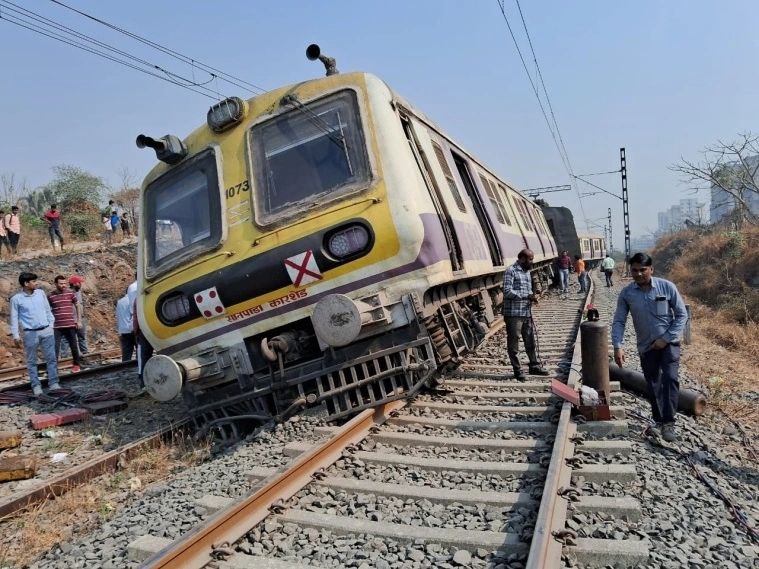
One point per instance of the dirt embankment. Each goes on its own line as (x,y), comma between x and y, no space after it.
(106,272)
(718,272)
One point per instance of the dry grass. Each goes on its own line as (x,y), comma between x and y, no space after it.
(725,357)
(34,532)
(38,240)
(718,268)
(719,271)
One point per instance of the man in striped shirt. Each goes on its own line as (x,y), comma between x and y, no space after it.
(68,319)
(517,298)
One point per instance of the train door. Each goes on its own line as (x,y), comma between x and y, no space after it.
(446,222)
(479,209)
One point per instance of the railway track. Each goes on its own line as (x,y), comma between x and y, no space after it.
(481,471)
(107,461)
(95,359)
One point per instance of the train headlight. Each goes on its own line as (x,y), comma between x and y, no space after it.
(175,308)
(348,241)
(226,114)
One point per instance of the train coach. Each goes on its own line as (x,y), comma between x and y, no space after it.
(322,244)
(562,226)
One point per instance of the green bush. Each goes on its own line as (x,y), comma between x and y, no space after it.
(82,224)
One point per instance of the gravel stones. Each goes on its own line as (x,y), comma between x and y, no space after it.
(168,510)
(90,439)
(686,524)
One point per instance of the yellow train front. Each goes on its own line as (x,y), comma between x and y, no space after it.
(323,244)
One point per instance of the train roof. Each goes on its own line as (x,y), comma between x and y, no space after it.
(269,100)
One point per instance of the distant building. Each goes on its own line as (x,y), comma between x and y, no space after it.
(642,243)
(678,216)
(724,203)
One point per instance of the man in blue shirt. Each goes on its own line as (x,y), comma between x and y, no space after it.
(659,318)
(31,312)
(517,298)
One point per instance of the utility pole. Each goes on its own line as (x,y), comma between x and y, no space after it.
(625,209)
(606,240)
(611,246)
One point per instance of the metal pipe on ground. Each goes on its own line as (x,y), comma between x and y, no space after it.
(690,401)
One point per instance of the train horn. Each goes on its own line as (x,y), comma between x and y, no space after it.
(168,148)
(314,52)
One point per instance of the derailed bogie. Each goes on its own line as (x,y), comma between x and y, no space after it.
(349,258)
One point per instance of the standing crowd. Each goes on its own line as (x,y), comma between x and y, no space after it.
(40,321)
(113,219)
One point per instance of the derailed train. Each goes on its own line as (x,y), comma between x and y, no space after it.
(323,244)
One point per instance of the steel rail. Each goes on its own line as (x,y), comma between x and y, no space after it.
(95,370)
(545,549)
(195,549)
(78,475)
(18,372)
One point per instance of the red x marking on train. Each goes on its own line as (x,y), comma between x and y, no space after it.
(303,269)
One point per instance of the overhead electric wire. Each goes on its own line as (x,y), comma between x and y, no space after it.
(22,24)
(59,32)
(559,143)
(550,108)
(598,173)
(532,83)
(229,78)
(599,187)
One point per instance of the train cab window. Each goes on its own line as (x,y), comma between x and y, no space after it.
(183,212)
(308,156)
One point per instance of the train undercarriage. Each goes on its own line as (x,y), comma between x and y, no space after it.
(450,321)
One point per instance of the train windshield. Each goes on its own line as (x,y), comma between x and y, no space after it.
(309,156)
(183,212)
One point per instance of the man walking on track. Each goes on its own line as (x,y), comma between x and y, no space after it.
(607,265)
(659,318)
(31,312)
(582,275)
(518,297)
(65,309)
(564,262)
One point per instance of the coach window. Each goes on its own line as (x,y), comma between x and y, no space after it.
(308,156)
(503,199)
(183,213)
(490,191)
(448,176)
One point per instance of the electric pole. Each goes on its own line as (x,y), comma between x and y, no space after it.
(606,239)
(611,246)
(625,209)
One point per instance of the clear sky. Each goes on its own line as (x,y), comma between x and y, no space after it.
(661,78)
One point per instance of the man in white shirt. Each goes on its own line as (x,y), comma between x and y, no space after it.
(124,323)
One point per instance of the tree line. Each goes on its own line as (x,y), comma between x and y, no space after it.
(79,194)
